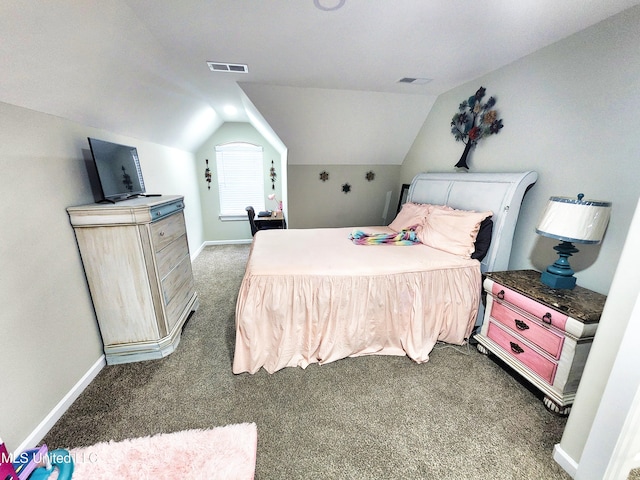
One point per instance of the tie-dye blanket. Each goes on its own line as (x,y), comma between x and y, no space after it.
(404,237)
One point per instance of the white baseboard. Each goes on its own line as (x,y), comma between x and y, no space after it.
(195,254)
(227,242)
(49,421)
(567,463)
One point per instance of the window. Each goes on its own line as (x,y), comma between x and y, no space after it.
(240,169)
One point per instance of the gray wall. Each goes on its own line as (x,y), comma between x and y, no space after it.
(314,203)
(49,335)
(570,113)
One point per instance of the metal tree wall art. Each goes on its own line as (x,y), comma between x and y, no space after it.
(474,121)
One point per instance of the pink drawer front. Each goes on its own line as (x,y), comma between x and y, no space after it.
(540,365)
(545,314)
(548,340)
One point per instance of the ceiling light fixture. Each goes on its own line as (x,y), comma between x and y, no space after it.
(228,67)
(339,4)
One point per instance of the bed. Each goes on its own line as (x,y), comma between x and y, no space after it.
(315,296)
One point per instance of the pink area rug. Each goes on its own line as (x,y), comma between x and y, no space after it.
(219,453)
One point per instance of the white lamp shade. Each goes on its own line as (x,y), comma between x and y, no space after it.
(574,220)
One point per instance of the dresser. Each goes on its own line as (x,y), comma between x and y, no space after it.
(138,267)
(544,334)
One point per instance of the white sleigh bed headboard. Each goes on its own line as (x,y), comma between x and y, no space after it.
(502,193)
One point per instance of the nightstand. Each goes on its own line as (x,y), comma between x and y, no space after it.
(544,334)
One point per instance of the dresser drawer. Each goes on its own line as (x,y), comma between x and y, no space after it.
(160,211)
(171,255)
(538,310)
(178,303)
(548,340)
(178,288)
(173,283)
(167,230)
(540,365)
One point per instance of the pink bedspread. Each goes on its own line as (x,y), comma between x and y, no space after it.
(312,296)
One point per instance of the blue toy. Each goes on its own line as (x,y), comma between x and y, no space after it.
(60,459)
(29,460)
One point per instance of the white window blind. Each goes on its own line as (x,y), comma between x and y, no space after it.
(240,169)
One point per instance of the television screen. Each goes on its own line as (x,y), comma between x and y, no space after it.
(118,170)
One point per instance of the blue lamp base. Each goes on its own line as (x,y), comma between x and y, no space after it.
(557,281)
(559,275)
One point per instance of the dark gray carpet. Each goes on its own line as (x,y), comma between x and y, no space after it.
(455,417)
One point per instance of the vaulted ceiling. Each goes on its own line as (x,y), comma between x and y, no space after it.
(318,75)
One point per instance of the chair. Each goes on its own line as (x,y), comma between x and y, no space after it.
(251,213)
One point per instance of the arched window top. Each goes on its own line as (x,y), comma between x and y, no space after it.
(238,147)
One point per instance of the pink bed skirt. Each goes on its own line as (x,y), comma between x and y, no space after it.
(392,305)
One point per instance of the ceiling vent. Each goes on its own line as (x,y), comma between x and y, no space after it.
(415,81)
(228,67)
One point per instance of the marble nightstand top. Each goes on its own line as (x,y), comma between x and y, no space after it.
(580,303)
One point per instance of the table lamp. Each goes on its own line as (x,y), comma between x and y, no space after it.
(571,220)
(278,204)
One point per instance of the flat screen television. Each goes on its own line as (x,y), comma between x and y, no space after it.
(118,169)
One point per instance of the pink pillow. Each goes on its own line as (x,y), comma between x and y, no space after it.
(440,207)
(452,231)
(409,215)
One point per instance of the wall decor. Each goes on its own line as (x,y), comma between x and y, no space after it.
(346,188)
(474,121)
(370,176)
(207,174)
(272,174)
(324,176)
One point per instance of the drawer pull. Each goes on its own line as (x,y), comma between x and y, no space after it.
(547,318)
(515,348)
(500,295)
(162,234)
(520,325)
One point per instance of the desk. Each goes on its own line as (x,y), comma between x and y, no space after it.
(276,220)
